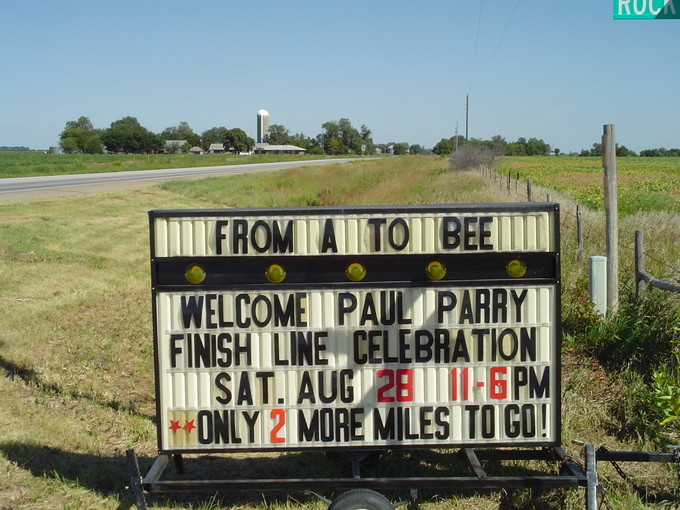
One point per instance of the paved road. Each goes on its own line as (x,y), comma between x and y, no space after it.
(18,188)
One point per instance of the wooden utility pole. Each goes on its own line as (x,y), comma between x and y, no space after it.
(455,140)
(612,216)
(467,102)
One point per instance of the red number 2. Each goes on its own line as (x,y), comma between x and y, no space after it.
(280,415)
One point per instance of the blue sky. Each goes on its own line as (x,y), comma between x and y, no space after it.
(556,70)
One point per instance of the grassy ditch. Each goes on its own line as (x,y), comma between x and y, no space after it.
(76,350)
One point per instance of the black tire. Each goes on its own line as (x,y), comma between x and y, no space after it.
(361,499)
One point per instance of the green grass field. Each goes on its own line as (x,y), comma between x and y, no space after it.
(76,350)
(30,164)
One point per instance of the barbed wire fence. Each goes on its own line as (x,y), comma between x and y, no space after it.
(588,232)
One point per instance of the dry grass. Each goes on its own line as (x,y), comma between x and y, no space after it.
(76,345)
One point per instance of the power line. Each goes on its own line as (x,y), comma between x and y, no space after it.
(479,24)
(495,50)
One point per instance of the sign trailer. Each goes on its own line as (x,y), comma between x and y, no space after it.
(354,328)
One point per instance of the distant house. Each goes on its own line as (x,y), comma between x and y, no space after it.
(174,146)
(265,148)
(216,148)
(195,150)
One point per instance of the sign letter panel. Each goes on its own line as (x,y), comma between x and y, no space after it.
(355,327)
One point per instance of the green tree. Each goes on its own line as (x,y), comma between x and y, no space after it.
(367,140)
(181,132)
(597,150)
(623,151)
(332,137)
(128,135)
(80,136)
(516,149)
(536,147)
(213,135)
(498,144)
(349,138)
(236,140)
(278,135)
(333,146)
(524,147)
(81,123)
(307,143)
(400,149)
(443,147)
(660,153)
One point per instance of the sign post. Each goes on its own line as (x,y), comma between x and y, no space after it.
(351,328)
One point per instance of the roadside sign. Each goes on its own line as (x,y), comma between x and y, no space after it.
(356,327)
(646,9)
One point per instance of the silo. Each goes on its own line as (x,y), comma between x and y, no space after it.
(262,125)
(56,148)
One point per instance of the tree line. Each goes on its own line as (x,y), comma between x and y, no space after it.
(498,145)
(14,148)
(129,136)
(336,138)
(536,147)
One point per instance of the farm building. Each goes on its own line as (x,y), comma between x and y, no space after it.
(265,148)
(174,146)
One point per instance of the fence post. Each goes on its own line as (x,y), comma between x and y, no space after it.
(639,265)
(612,216)
(529,193)
(579,234)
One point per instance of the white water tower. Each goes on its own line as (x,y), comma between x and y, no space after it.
(262,125)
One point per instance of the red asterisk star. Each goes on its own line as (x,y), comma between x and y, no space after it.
(174,425)
(189,425)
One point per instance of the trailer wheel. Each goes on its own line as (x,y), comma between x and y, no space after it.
(361,499)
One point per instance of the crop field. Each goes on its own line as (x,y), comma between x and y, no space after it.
(76,346)
(644,184)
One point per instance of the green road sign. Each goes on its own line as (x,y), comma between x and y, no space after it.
(646,9)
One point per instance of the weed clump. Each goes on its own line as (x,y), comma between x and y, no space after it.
(638,345)
(470,157)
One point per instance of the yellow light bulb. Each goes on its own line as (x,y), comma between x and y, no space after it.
(516,268)
(194,274)
(275,273)
(435,270)
(355,272)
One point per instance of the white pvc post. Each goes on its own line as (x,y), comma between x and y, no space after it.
(612,215)
(597,283)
